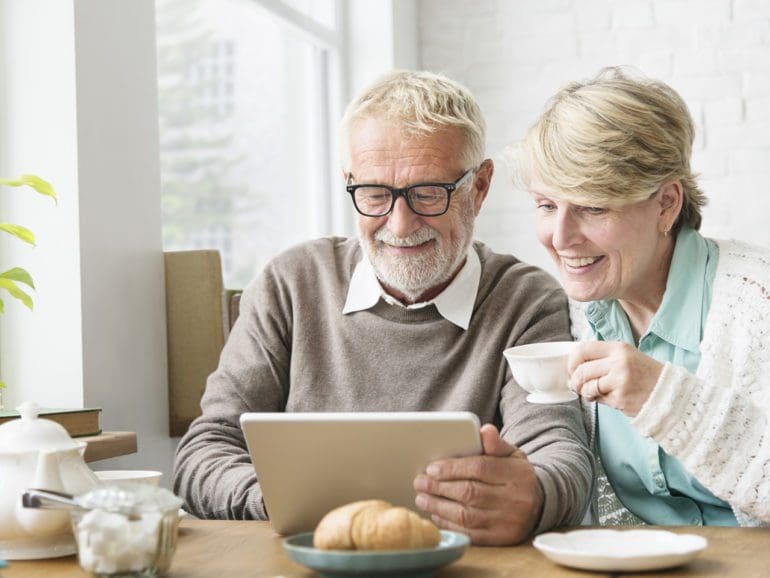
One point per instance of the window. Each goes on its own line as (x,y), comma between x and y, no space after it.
(248,115)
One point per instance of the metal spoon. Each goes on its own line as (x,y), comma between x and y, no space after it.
(49,500)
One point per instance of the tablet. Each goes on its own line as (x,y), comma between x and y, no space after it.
(310,463)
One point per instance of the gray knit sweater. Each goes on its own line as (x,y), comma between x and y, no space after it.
(293,350)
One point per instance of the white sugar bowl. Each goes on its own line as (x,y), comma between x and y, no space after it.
(38,453)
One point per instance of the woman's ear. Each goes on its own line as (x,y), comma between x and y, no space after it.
(670,199)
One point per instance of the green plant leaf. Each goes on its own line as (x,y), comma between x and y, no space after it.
(2,306)
(41,186)
(20,275)
(2,384)
(16,292)
(18,231)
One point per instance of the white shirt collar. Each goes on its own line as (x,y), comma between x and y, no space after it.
(454,303)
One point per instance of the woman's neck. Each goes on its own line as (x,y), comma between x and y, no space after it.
(642,306)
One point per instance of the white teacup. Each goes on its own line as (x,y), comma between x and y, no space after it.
(129,477)
(541,369)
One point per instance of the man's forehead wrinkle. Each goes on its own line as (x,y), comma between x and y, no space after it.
(382,154)
(398,164)
(409,172)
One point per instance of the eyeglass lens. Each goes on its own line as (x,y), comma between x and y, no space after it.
(425,200)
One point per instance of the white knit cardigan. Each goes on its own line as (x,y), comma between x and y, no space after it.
(714,422)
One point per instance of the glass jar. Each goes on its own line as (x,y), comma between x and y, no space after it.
(126,531)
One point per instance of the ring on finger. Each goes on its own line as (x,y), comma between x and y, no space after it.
(599,392)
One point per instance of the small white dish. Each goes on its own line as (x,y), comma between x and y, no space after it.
(151,477)
(620,550)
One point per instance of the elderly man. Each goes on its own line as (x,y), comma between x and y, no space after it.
(413,315)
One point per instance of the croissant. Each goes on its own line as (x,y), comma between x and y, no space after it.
(374,525)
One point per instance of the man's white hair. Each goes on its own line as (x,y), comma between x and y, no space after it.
(419,103)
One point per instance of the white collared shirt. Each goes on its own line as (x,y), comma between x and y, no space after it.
(454,303)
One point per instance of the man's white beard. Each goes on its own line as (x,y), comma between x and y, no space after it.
(413,275)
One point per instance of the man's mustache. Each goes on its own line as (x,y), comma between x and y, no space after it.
(420,236)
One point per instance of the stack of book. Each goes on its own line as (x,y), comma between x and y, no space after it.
(77,422)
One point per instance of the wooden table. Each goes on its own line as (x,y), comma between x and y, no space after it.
(208,549)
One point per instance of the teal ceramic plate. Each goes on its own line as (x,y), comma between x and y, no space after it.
(401,563)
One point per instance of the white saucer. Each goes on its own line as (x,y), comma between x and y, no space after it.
(620,550)
(539,397)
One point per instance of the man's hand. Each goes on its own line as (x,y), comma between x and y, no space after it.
(495,498)
(613,373)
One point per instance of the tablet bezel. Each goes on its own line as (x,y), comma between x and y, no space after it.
(310,463)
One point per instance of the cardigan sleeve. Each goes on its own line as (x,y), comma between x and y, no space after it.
(719,434)
(716,422)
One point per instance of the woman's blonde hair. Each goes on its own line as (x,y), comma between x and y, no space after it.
(420,103)
(613,140)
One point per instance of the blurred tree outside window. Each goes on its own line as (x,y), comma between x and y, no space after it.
(246,126)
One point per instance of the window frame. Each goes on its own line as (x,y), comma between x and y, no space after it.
(331,212)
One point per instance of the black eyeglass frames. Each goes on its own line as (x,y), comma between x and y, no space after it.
(425,199)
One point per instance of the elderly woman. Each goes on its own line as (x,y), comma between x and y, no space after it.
(676,373)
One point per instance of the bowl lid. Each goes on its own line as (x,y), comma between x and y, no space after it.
(31,433)
(135,499)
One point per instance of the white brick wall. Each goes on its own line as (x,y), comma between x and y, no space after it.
(514,54)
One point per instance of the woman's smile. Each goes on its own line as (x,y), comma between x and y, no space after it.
(579,264)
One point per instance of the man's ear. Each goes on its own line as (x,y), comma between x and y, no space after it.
(481,181)
(670,200)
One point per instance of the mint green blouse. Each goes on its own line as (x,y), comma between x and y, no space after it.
(652,484)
